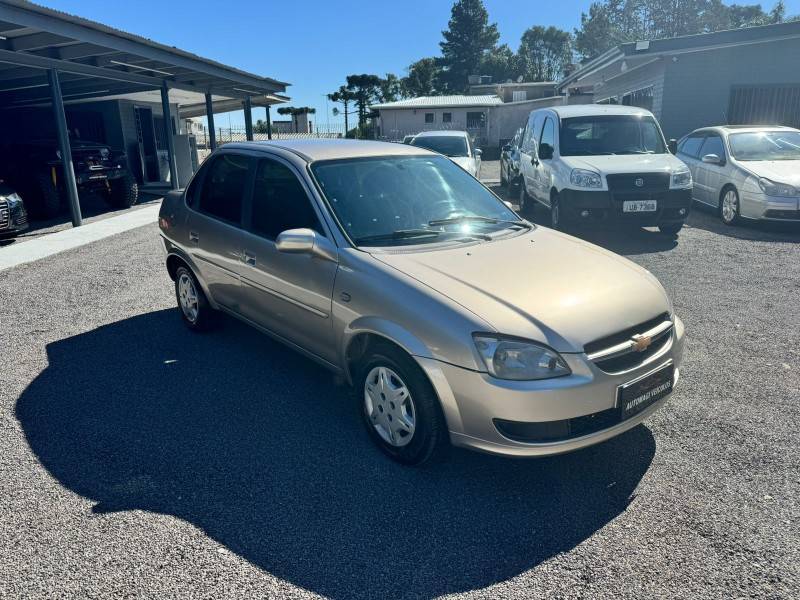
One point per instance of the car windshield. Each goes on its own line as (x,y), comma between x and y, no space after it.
(396,200)
(766,145)
(610,134)
(449,145)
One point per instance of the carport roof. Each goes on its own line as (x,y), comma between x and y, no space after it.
(96,60)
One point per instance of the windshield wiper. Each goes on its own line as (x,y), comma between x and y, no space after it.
(479,219)
(400,234)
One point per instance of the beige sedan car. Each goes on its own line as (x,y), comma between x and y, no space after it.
(455,321)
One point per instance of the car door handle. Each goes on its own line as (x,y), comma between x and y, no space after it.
(194,236)
(249,258)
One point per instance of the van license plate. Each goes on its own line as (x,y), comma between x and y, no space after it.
(639,206)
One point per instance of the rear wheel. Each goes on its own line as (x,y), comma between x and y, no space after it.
(123,191)
(196,312)
(399,407)
(526,203)
(729,205)
(46,201)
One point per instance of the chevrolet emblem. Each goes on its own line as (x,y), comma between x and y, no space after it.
(641,342)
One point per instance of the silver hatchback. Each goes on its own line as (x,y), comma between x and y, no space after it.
(453,320)
(745,171)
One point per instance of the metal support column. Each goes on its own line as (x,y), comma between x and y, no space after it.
(173,166)
(63,145)
(269,125)
(248,119)
(210,119)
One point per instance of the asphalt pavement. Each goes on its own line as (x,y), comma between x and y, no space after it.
(139,459)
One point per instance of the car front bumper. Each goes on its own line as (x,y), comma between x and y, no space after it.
(12,220)
(757,205)
(475,404)
(607,206)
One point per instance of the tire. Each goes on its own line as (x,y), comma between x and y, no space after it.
(123,191)
(729,212)
(387,369)
(203,317)
(46,201)
(671,229)
(556,214)
(503,180)
(526,203)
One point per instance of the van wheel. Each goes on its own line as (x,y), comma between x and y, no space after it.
(399,407)
(526,203)
(196,312)
(729,205)
(556,218)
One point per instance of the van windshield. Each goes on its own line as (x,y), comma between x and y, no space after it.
(610,134)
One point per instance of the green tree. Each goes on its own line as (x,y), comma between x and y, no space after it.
(544,53)
(468,37)
(391,88)
(423,78)
(344,97)
(367,90)
(500,63)
(296,112)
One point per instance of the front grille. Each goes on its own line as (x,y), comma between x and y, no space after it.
(630,358)
(5,214)
(557,431)
(651,182)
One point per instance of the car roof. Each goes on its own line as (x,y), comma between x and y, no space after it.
(443,133)
(591,110)
(328,149)
(740,129)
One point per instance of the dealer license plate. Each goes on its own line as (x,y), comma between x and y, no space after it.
(635,396)
(639,206)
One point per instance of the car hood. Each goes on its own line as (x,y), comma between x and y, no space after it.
(466,163)
(541,285)
(625,163)
(782,171)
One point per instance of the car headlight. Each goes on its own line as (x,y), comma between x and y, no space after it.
(772,188)
(681,179)
(586,179)
(105,153)
(519,360)
(13,200)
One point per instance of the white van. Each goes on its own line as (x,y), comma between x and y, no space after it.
(603,162)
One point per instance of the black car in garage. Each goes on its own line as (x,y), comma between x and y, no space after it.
(35,169)
(13,217)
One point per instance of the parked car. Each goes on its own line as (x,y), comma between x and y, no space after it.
(456,145)
(745,172)
(35,169)
(13,217)
(407,139)
(603,162)
(509,161)
(398,271)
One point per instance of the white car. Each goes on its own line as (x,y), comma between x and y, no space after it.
(745,171)
(456,145)
(603,162)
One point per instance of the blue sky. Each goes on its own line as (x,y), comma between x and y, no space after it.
(315,44)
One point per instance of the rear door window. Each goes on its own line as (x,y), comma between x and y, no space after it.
(713,145)
(223,189)
(690,146)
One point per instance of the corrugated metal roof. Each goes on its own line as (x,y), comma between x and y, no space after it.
(441,102)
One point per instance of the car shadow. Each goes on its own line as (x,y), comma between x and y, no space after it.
(254,445)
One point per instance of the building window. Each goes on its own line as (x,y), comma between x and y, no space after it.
(774,104)
(642,98)
(476,120)
(447,117)
(429,117)
(519,96)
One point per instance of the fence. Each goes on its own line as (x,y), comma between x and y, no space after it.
(237,134)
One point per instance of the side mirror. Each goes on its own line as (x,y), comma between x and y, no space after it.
(478,152)
(508,204)
(672,146)
(545,151)
(306,241)
(712,159)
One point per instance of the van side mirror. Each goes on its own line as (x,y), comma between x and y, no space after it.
(306,241)
(672,146)
(478,152)
(545,151)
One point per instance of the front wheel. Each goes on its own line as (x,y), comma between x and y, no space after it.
(729,206)
(526,203)
(556,218)
(123,191)
(399,407)
(196,312)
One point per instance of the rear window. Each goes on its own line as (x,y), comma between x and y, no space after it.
(449,145)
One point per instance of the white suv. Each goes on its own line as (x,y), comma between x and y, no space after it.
(603,162)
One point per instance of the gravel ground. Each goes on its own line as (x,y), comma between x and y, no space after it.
(138,459)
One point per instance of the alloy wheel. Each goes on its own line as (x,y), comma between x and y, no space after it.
(187,295)
(730,206)
(389,406)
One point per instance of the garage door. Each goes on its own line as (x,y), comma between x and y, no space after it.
(765,105)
